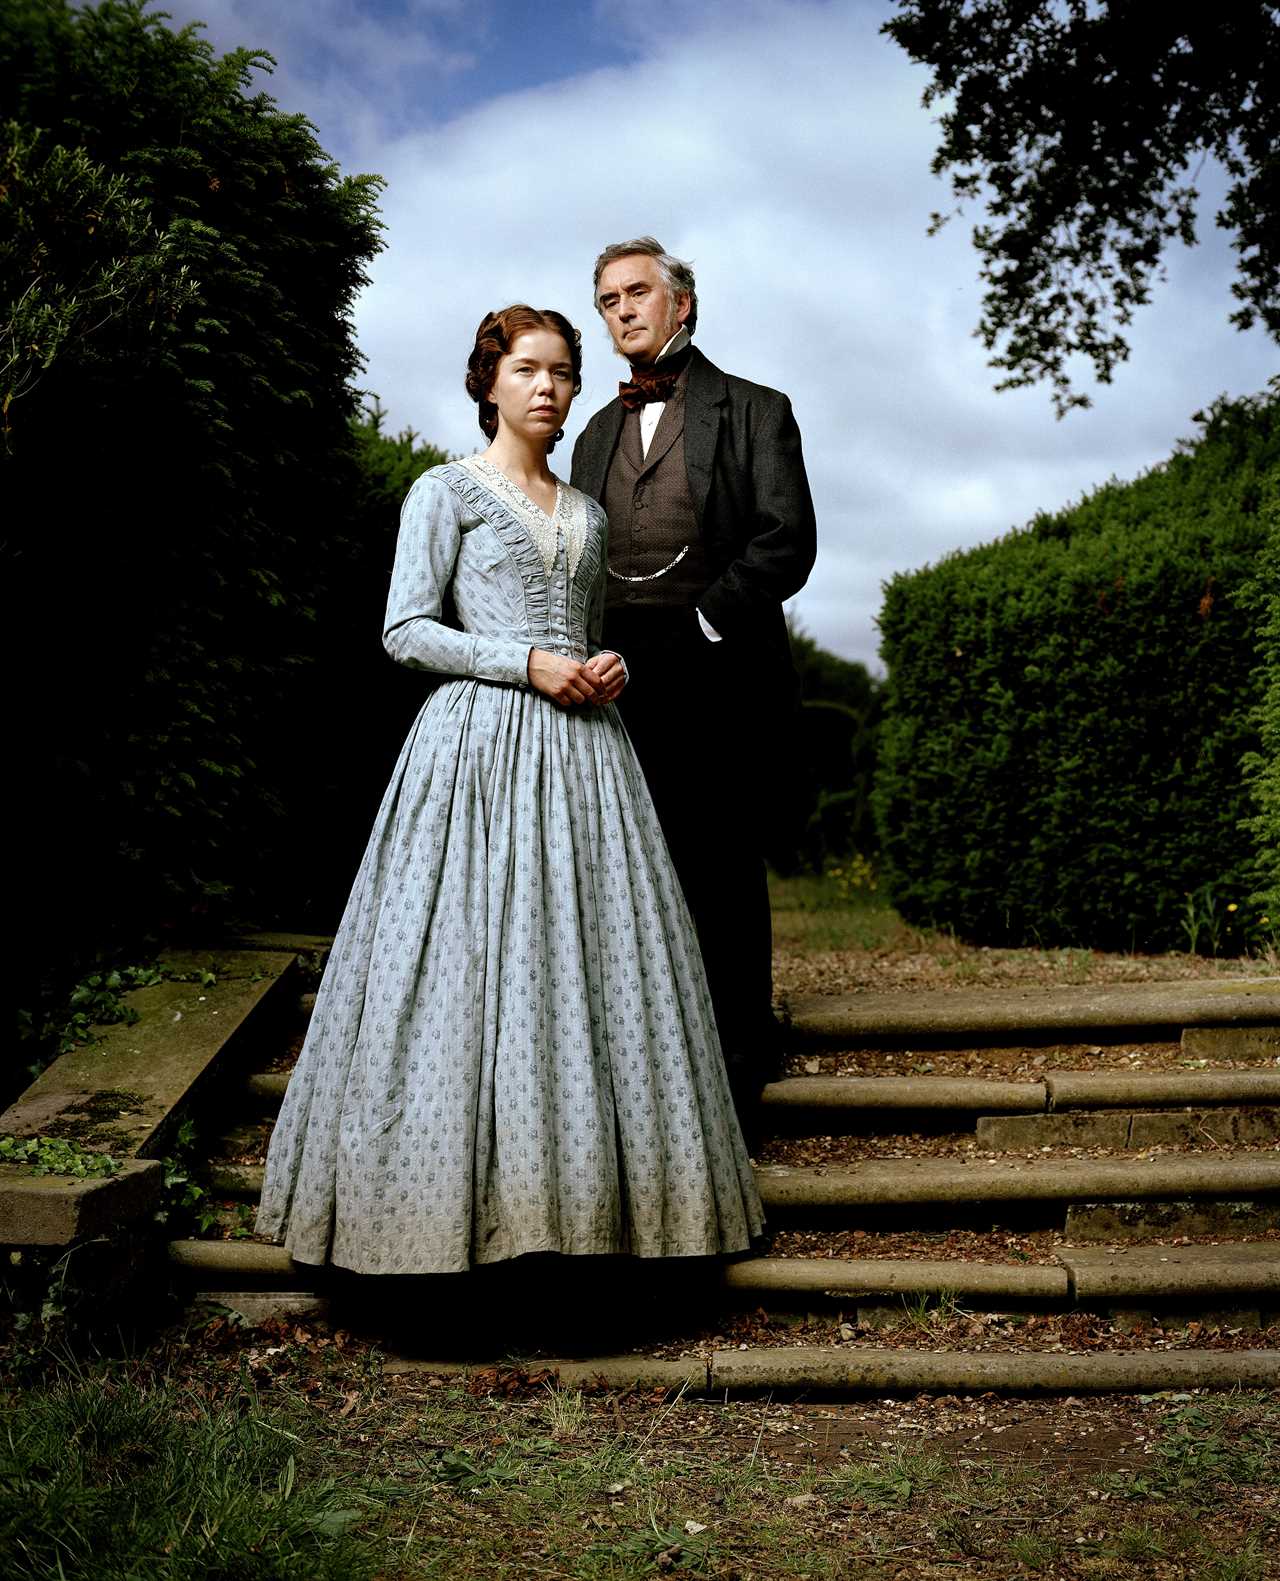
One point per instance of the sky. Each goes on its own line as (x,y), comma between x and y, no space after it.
(782,147)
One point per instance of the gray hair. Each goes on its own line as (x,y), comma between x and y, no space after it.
(677,275)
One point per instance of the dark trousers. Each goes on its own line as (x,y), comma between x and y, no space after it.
(693,711)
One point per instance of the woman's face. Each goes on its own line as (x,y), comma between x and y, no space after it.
(533,387)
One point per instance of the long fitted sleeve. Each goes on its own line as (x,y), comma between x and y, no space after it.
(426,556)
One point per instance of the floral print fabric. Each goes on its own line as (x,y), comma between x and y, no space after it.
(513,1048)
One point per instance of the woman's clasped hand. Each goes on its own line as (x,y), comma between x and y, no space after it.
(569,682)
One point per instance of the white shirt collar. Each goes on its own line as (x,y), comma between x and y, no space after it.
(677,343)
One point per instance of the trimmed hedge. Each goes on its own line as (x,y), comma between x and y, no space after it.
(1068,708)
(1262,768)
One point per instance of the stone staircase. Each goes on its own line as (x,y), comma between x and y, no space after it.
(995,1162)
(1021,1189)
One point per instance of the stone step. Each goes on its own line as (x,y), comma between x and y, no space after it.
(1160,1089)
(239,1264)
(853,1279)
(927,1181)
(125,1092)
(241,1182)
(1217,1017)
(59,1210)
(267,1088)
(905,1182)
(1093,1277)
(1120,1129)
(1232,1043)
(1173,1274)
(1154,1220)
(989,1017)
(1054,1092)
(827,1371)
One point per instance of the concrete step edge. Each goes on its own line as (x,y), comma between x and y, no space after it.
(820,1371)
(1121,1089)
(882,1276)
(990,1016)
(160,1065)
(1183,1274)
(903,1182)
(900,1182)
(242,1181)
(1056,1090)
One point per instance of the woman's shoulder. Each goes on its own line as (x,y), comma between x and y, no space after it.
(449,480)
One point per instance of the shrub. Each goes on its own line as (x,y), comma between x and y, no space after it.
(180,261)
(1262,768)
(1068,708)
(821,805)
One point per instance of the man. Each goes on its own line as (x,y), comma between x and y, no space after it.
(711,528)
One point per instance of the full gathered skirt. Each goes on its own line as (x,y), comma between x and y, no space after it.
(513,1048)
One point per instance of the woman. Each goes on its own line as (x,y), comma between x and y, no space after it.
(513,1047)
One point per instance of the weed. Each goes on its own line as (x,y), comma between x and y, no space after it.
(1202,1448)
(52,1155)
(244,1220)
(460,1470)
(1243,1566)
(889,1481)
(566,1413)
(929,1313)
(1034,1551)
(853,878)
(1213,926)
(185,1199)
(1138,1543)
(663,1548)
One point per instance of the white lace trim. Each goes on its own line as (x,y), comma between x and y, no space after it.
(569,519)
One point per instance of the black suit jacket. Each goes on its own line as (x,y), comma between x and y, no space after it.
(747,478)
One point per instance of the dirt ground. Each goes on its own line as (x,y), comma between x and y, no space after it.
(513,1478)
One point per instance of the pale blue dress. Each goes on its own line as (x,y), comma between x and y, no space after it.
(513,1047)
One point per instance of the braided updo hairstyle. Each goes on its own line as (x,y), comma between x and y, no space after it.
(494,339)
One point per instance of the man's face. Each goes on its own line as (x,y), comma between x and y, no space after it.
(640,315)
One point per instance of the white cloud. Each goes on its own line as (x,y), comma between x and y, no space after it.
(782,147)
(354,69)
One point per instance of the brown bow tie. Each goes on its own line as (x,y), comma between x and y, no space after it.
(645,386)
(654,384)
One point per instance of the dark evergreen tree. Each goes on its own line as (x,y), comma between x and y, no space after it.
(180,261)
(826,813)
(1078,125)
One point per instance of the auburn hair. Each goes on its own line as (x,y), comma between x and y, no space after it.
(494,339)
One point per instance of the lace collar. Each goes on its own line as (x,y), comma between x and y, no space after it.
(569,519)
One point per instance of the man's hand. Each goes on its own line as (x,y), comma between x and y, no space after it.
(610,672)
(565,681)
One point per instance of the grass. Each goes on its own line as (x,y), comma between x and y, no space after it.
(287,1454)
(812,912)
(105,1479)
(836,914)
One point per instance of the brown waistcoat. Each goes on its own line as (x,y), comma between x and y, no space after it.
(651,517)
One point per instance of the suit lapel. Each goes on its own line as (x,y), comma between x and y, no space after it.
(629,443)
(705,393)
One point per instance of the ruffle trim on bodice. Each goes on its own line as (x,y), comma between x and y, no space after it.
(480,500)
(567,521)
